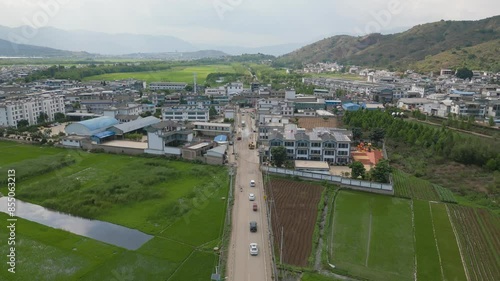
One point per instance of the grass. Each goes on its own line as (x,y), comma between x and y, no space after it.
(445,194)
(309,276)
(176,74)
(408,186)
(380,248)
(428,261)
(177,202)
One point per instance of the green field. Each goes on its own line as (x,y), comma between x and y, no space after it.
(372,236)
(386,238)
(178,203)
(408,186)
(176,74)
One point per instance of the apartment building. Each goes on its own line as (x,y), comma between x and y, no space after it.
(186,113)
(234,88)
(175,86)
(215,91)
(321,144)
(29,108)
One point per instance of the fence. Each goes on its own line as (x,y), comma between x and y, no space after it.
(350,183)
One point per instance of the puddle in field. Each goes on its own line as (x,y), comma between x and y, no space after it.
(106,232)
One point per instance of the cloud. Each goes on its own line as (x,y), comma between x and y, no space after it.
(247,22)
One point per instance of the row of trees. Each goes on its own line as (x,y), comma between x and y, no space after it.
(442,141)
(380,173)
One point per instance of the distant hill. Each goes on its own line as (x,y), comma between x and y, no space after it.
(98,42)
(9,49)
(178,55)
(398,50)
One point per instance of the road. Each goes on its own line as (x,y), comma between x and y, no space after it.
(241,266)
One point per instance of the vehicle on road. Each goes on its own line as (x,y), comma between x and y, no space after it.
(231,143)
(251,145)
(255,207)
(253,226)
(251,197)
(239,138)
(254,250)
(252,183)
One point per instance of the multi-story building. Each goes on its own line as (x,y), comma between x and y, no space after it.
(30,108)
(186,113)
(475,109)
(175,86)
(234,88)
(213,129)
(215,91)
(322,144)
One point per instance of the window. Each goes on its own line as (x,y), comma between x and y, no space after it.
(289,151)
(329,152)
(302,144)
(289,143)
(343,145)
(315,144)
(316,152)
(302,152)
(342,153)
(329,145)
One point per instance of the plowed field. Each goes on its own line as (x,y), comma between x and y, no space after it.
(294,210)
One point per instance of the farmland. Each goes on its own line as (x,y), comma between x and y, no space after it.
(371,236)
(314,122)
(176,74)
(295,209)
(160,197)
(385,238)
(408,186)
(479,237)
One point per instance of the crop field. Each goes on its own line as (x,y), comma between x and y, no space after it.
(445,194)
(176,74)
(408,186)
(178,203)
(386,238)
(438,257)
(372,236)
(479,237)
(295,209)
(313,122)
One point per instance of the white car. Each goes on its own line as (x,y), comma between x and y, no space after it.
(254,250)
(251,197)
(252,183)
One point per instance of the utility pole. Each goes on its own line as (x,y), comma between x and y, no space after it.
(194,87)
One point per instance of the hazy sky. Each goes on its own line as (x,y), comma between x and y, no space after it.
(241,22)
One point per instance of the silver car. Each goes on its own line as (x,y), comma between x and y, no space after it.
(254,250)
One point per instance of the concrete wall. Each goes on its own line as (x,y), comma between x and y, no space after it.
(119,150)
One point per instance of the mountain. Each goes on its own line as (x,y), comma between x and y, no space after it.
(398,50)
(95,42)
(479,57)
(274,50)
(9,49)
(178,55)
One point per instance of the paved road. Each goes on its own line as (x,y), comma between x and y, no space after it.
(242,266)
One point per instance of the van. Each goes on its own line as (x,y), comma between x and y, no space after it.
(252,183)
(253,226)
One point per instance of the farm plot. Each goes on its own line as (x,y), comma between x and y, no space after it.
(408,186)
(178,203)
(445,194)
(314,122)
(478,233)
(371,236)
(295,209)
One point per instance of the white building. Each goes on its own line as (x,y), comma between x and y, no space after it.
(215,91)
(176,86)
(12,111)
(186,113)
(234,88)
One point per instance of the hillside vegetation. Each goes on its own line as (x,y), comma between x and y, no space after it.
(404,49)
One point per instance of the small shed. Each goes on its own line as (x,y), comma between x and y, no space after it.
(311,166)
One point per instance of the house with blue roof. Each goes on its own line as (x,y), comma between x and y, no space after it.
(91,127)
(351,106)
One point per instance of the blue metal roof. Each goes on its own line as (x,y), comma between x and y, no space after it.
(104,134)
(462,93)
(220,138)
(99,123)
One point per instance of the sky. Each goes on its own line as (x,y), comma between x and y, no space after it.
(250,23)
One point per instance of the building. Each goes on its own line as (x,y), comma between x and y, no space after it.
(216,155)
(312,166)
(186,113)
(234,88)
(30,108)
(130,109)
(174,86)
(213,129)
(412,104)
(90,127)
(322,144)
(215,91)
(197,151)
(351,106)
(165,137)
(133,126)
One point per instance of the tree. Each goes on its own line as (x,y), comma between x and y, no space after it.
(464,73)
(212,113)
(279,155)
(42,118)
(357,170)
(23,123)
(146,114)
(491,122)
(381,171)
(377,134)
(357,133)
(189,88)
(59,117)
